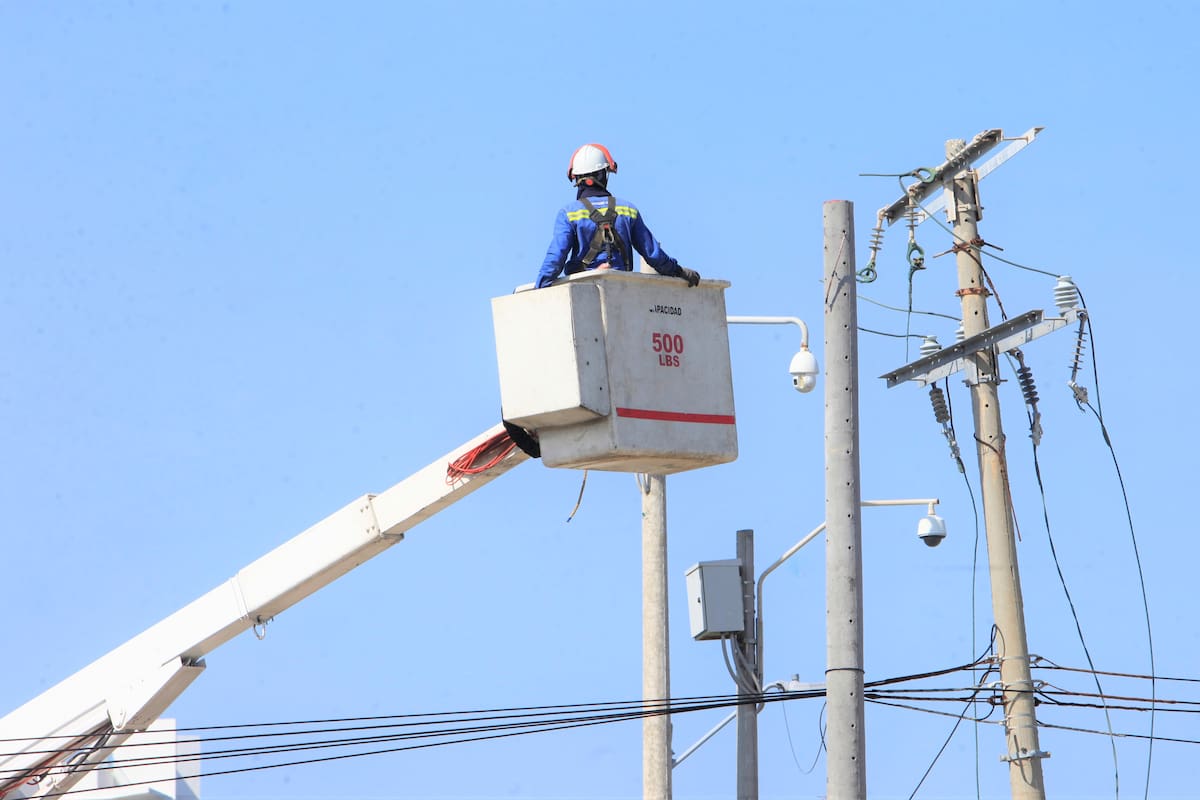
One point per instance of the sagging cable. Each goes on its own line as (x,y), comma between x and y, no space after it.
(578,500)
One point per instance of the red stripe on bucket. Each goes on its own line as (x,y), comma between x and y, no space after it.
(675,416)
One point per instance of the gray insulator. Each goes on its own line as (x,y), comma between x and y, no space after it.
(941,412)
(1080,348)
(1028,389)
(1066,293)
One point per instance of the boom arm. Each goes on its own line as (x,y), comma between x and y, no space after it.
(51,742)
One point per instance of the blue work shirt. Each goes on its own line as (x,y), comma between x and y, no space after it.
(573,231)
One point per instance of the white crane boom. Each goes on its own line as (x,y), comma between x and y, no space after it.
(51,742)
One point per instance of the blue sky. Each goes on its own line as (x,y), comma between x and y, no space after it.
(247,253)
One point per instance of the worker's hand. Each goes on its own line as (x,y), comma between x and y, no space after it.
(690,275)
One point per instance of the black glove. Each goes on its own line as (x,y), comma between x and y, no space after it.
(690,275)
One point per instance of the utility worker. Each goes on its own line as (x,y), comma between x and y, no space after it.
(596,231)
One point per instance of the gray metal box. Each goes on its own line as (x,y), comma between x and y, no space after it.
(715,599)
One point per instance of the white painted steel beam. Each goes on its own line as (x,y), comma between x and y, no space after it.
(128,688)
(975,149)
(1003,337)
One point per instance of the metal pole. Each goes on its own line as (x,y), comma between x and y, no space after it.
(749,677)
(1020,725)
(846,776)
(656,683)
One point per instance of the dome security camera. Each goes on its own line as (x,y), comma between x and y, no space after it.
(931,530)
(804,370)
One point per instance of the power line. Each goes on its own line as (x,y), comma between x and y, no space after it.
(1119,735)
(445,737)
(1098,412)
(415,730)
(1034,428)
(950,317)
(958,239)
(1051,665)
(516,717)
(945,744)
(891,335)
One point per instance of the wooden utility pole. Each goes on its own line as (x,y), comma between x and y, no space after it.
(1024,756)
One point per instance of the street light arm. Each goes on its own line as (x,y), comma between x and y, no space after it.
(930,501)
(704,738)
(758,594)
(774,321)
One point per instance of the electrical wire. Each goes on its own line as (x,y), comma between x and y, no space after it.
(792,746)
(950,317)
(579,500)
(461,727)
(892,335)
(725,647)
(1049,697)
(950,231)
(502,716)
(408,747)
(1097,411)
(934,712)
(1119,735)
(1021,266)
(490,452)
(630,711)
(945,744)
(974,561)
(446,736)
(975,249)
(1042,724)
(410,720)
(1037,471)
(751,682)
(974,615)
(988,278)
(1051,665)
(1099,416)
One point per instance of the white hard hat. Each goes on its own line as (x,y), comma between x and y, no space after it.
(588,159)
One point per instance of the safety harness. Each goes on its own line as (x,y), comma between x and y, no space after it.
(605,238)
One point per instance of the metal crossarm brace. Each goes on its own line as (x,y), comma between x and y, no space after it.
(1003,337)
(975,149)
(917,193)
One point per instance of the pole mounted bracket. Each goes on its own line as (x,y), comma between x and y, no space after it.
(935,178)
(1001,338)
(1025,755)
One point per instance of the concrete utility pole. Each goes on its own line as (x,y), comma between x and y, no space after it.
(656,680)
(749,676)
(846,775)
(1020,725)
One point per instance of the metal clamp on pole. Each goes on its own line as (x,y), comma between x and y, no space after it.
(1025,755)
